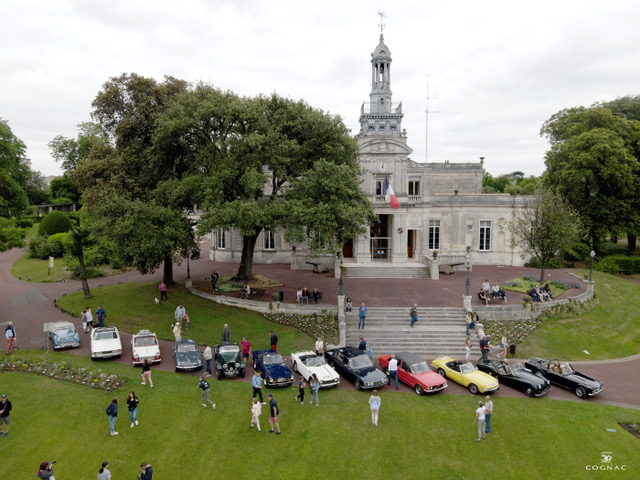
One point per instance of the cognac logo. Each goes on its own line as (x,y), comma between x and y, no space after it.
(606,463)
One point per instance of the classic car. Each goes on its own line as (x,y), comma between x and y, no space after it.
(105,343)
(465,374)
(186,355)
(63,335)
(415,372)
(273,370)
(144,346)
(306,363)
(563,375)
(515,375)
(356,366)
(228,358)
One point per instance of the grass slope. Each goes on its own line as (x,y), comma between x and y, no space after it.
(130,307)
(609,330)
(36,269)
(418,437)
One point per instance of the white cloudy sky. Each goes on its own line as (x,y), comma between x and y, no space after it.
(499,69)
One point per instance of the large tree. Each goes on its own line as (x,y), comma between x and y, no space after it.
(592,164)
(14,173)
(121,180)
(545,228)
(267,162)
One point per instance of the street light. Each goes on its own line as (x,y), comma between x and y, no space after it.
(467,263)
(340,283)
(592,255)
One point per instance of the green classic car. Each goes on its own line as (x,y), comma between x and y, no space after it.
(228,358)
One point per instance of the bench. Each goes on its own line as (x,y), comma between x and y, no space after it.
(448,268)
(257,293)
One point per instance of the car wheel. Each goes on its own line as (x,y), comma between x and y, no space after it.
(359,385)
(295,366)
(242,372)
(473,388)
(528,392)
(581,392)
(418,389)
(441,373)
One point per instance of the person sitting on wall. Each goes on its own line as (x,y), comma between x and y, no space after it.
(246,291)
(546,291)
(486,286)
(483,297)
(534,295)
(495,290)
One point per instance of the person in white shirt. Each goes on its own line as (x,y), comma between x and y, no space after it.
(480,419)
(319,346)
(486,286)
(256,411)
(393,370)
(207,358)
(180,313)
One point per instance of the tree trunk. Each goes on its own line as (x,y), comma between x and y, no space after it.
(543,270)
(167,274)
(245,270)
(83,276)
(631,242)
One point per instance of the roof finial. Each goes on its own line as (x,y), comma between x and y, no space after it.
(381,24)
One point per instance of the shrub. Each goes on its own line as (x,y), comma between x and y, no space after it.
(25,223)
(90,271)
(625,264)
(551,265)
(614,249)
(577,252)
(607,265)
(33,218)
(54,222)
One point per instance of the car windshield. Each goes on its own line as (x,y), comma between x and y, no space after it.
(314,361)
(516,366)
(65,332)
(145,341)
(272,359)
(467,368)
(229,349)
(361,361)
(421,367)
(566,369)
(187,347)
(105,336)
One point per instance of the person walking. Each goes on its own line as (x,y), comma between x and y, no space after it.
(101,315)
(5,415)
(363,316)
(207,358)
(226,334)
(314,386)
(480,419)
(503,345)
(274,411)
(163,292)
(103,473)
(85,321)
(89,319)
(206,388)
(300,396)
(180,313)
(484,349)
(146,372)
(132,405)
(177,331)
(256,411)
(147,471)
(467,349)
(274,342)
(246,349)
(112,413)
(256,383)
(393,370)
(10,336)
(374,404)
(319,347)
(414,314)
(214,281)
(488,411)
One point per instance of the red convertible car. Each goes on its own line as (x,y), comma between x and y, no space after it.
(415,372)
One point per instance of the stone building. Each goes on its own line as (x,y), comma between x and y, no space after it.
(442,211)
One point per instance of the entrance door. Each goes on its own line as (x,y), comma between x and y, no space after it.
(347,249)
(411,243)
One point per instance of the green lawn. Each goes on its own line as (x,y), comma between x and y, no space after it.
(131,307)
(418,437)
(610,330)
(36,269)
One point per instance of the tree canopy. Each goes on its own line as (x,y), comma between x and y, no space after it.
(14,173)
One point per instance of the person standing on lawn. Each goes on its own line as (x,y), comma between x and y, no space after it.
(180,313)
(214,281)
(274,342)
(207,358)
(163,292)
(146,372)
(101,315)
(256,411)
(10,336)
(5,415)
(89,319)
(314,386)
(256,383)
(206,388)
(226,334)
(147,471)
(414,314)
(112,413)
(480,419)
(103,473)
(301,391)
(374,405)
(274,411)
(488,411)
(177,331)
(132,405)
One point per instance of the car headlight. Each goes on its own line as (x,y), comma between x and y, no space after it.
(368,384)
(224,366)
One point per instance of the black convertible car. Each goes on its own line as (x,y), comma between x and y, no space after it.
(186,355)
(516,376)
(356,366)
(563,375)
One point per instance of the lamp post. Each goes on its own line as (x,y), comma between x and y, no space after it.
(467,263)
(340,282)
(592,255)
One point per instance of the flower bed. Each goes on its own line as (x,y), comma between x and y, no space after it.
(324,326)
(64,371)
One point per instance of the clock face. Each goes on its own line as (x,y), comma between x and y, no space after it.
(383,166)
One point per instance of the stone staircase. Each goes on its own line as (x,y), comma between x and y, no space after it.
(439,331)
(386,270)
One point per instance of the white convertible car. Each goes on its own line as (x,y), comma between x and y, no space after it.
(105,343)
(307,363)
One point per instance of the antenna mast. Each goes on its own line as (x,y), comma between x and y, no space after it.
(426,128)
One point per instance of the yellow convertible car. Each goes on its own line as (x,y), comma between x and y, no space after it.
(465,374)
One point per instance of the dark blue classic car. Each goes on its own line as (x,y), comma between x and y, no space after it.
(273,370)
(563,375)
(186,355)
(515,375)
(63,335)
(356,366)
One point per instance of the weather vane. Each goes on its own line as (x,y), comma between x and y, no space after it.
(381,24)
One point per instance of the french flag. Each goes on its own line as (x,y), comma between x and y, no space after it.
(389,196)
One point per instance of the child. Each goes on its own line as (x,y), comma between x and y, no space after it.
(301,391)
(187,324)
(256,410)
